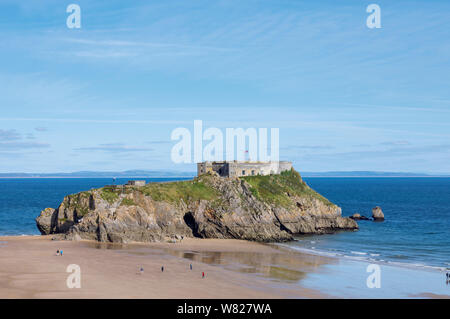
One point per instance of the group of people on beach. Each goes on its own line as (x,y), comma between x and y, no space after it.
(141,270)
(59,252)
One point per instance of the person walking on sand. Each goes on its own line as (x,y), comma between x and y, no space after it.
(61,253)
(162,268)
(57,252)
(203,274)
(141,270)
(190,266)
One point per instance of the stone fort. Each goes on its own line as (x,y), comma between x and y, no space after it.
(240,168)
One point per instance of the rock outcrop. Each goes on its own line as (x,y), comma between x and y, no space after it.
(377,214)
(258,208)
(358,216)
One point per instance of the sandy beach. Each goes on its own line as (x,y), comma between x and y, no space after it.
(30,268)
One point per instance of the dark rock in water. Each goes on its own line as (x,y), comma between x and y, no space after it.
(357,216)
(377,214)
(258,208)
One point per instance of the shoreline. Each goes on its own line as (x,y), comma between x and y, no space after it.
(31,269)
(365,257)
(300,250)
(234,269)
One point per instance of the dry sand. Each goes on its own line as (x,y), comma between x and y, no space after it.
(29,268)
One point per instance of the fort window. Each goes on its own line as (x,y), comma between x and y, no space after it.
(253,172)
(243,172)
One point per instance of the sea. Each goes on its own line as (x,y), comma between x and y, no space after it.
(415,233)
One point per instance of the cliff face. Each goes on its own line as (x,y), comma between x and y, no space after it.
(258,208)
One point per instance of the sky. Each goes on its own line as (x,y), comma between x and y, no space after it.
(107,96)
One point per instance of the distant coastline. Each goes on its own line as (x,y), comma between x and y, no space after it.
(99,174)
(370,174)
(179,174)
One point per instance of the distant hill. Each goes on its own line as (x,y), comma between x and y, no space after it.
(94,174)
(369,174)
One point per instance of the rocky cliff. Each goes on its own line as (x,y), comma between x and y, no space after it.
(258,208)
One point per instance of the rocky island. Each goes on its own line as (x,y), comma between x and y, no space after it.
(258,208)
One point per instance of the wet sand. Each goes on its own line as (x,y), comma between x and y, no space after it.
(31,269)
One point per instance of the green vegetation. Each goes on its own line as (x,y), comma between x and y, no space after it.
(78,202)
(81,211)
(109,194)
(172,192)
(274,189)
(127,202)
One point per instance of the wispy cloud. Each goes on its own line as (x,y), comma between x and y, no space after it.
(394,152)
(83,120)
(396,143)
(140,44)
(159,142)
(114,148)
(22,145)
(9,135)
(307,147)
(11,140)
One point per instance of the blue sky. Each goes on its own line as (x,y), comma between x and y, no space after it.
(107,96)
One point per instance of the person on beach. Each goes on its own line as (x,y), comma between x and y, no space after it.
(162,268)
(60,253)
(57,254)
(203,274)
(141,270)
(190,266)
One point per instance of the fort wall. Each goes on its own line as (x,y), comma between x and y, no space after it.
(238,169)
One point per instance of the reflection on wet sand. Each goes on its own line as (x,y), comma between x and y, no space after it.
(105,245)
(281,265)
(278,264)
